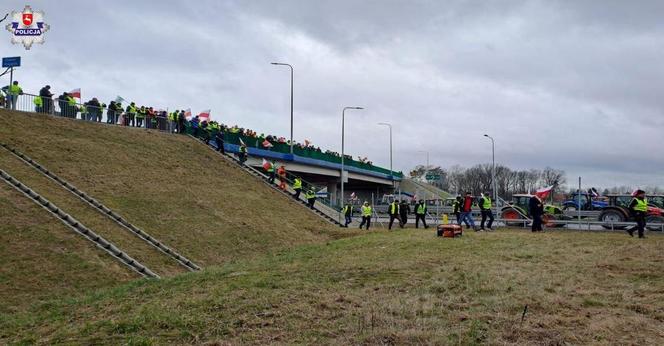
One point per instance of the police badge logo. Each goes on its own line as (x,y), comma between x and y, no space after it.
(27,27)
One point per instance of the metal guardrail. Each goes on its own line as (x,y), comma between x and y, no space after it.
(106,211)
(79,228)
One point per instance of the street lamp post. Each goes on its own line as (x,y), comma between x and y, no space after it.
(391,171)
(291,102)
(493,170)
(343,136)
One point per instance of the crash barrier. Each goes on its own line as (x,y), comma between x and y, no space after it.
(108,212)
(79,228)
(575,224)
(26,103)
(318,210)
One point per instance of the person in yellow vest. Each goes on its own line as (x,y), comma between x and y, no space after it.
(393,211)
(242,155)
(173,119)
(130,115)
(39,104)
(485,209)
(420,214)
(12,94)
(297,186)
(310,195)
(639,209)
(367,211)
(71,107)
(347,211)
(140,116)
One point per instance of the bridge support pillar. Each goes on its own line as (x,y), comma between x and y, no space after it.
(332,190)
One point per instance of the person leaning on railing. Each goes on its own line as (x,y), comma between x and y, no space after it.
(47,99)
(12,94)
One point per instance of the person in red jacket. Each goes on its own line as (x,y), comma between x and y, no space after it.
(467,210)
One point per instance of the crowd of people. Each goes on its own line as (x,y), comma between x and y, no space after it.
(145,116)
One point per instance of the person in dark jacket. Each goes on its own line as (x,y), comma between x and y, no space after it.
(219,139)
(404,210)
(47,99)
(467,210)
(62,103)
(181,120)
(456,210)
(93,108)
(110,114)
(393,211)
(536,207)
(639,209)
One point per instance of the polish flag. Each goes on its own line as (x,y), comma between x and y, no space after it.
(544,192)
(75,93)
(187,113)
(266,164)
(267,144)
(306,142)
(204,115)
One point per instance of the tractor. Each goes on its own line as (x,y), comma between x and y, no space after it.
(518,211)
(618,211)
(588,202)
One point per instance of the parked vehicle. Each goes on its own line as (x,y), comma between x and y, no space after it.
(587,202)
(618,211)
(518,211)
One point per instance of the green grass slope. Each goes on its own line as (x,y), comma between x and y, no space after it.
(423,190)
(171,186)
(35,249)
(404,287)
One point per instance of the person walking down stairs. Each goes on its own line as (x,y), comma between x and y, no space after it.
(297,186)
(311,198)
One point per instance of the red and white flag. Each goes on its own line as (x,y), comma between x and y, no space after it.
(266,164)
(544,192)
(204,115)
(353,196)
(267,144)
(187,113)
(75,93)
(306,142)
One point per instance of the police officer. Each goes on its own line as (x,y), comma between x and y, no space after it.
(393,211)
(47,99)
(347,211)
(367,211)
(297,186)
(311,197)
(485,209)
(404,210)
(639,209)
(12,93)
(130,116)
(420,214)
(140,116)
(242,155)
(271,171)
(39,104)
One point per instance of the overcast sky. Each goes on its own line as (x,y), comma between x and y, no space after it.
(576,85)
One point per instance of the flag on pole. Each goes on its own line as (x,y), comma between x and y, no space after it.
(266,164)
(241,141)
(267,144)
(119,99)
(187,113)
(544,192)
(306,142)
(204,115)
(353,196)
(75,93)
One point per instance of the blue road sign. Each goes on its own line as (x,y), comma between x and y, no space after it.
(12,61)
